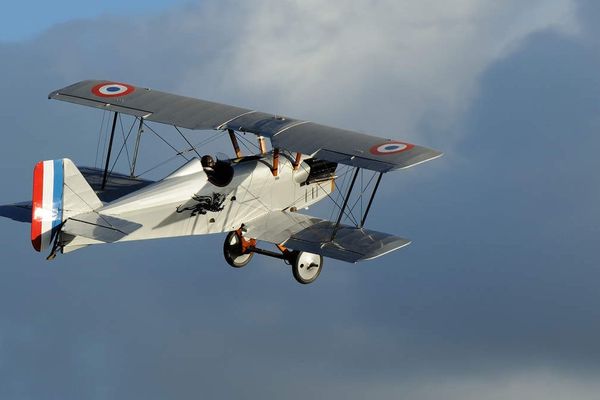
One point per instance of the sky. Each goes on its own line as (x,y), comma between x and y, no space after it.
(20,21)
(495,298)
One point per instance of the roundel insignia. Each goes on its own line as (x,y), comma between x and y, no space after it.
(390,148)
(112,89)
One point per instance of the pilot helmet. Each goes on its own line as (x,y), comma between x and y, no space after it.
(207,161)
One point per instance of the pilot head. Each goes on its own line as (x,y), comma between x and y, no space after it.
(208,163)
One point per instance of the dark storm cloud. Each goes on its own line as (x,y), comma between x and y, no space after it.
(516,222)
(495,298)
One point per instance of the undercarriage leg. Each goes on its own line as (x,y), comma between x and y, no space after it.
(238,252)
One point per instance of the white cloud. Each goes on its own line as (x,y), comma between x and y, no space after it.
(382,65)
(533,384)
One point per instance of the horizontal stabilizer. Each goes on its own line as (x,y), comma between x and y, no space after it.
(305,233)
(99,227)
(117,185)
(20,212)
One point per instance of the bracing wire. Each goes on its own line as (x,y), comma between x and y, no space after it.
(250,142)
(187,141)
(124,145)
(349,212)
(341,189)
(206,141)
(179,153)
(246,147)
(159,165)
(360,196)
(182,152)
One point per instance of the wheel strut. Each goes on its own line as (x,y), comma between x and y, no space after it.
(306,267)
(246,243)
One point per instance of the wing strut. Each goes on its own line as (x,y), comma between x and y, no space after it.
(137,146)
(339,219)
(364,217)
(234,142)
(297,161)
(275,167)
(110,144)
(261,145)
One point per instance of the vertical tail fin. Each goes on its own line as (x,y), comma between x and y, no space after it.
(59,192)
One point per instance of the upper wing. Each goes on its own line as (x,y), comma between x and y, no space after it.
(327,143)
(306,233)
(152,105)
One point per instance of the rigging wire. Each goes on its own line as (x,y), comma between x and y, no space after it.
(349,213)
(246,147)
(159,165)
(179,153)
(340,189)
(360,196)
(202,143)
(187,141)
(124,145)
(250,142)
(206,141)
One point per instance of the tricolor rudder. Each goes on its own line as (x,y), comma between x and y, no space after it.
(47,202)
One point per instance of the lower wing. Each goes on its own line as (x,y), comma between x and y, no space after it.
(314,235)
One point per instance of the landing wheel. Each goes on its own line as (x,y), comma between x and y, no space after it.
(234,253)
(306,267)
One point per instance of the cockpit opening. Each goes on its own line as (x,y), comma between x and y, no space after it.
(320,170)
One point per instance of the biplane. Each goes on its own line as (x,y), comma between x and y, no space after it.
(251,197)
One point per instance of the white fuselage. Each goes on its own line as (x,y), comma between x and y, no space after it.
(171,207)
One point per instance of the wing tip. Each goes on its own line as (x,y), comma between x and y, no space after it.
(382,252)
(425,156)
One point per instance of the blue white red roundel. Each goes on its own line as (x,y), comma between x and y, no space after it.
(390,148)
(112,89)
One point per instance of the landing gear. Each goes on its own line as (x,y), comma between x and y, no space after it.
(238,252)
(235,251)
(306,267)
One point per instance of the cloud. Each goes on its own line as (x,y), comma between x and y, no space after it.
(497,296)
(409,59)
(525,384)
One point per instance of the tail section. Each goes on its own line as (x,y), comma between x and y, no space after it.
(46,213)
(59,192)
